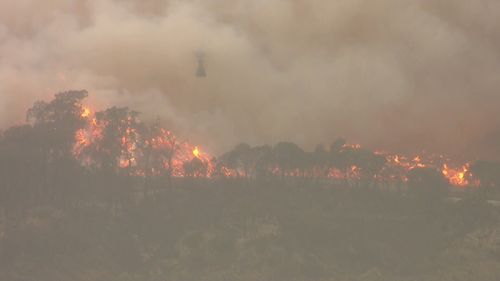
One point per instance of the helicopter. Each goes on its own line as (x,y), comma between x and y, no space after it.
(200,71)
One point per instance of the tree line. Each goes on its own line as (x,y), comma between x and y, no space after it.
(56,153)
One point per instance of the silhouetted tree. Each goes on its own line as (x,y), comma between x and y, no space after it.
(356,163)
(289,157)
(239,159)
(340,158)
(54,127)
(262,157)
(320,159)
(56,122)
(195,168)
(120,145)
(337,146)
(369,165)
(160,146)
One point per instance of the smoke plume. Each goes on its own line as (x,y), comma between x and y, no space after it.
(400,75)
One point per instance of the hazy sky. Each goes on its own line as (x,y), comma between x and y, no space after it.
(407,75)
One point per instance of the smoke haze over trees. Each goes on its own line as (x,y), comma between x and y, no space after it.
(63,133)
(105,196)
(298,140)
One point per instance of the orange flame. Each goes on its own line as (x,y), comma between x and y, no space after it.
(457,176)
(196,152)
(85,113)
(395,169)
(181,152)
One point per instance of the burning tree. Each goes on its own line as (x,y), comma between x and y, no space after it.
(111,141)
(356,163)
(116,141)
(159,151)
(57,122)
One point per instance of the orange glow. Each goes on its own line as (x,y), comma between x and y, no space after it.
(457,176)
(175,155)
(85,113)
(196,152)
(131,156)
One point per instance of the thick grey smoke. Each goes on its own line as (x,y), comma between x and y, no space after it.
(406,75)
